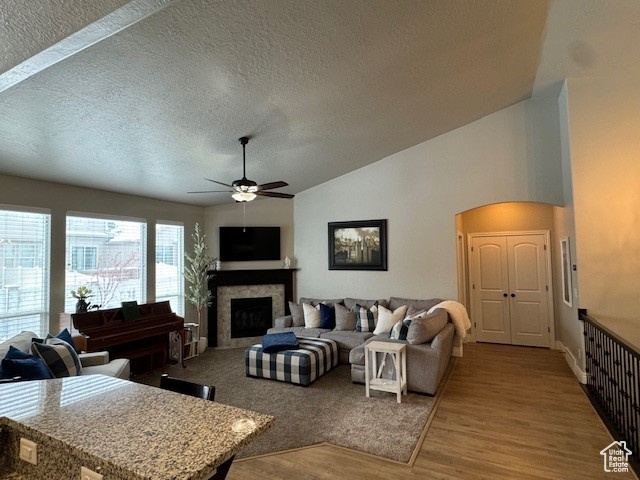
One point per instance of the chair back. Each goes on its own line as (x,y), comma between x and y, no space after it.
(207,392)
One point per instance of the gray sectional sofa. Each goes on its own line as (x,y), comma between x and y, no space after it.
(426,362)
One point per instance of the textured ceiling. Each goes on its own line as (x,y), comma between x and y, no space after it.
(323,88)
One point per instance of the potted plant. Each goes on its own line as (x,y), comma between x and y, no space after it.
(81,293)
(196,273)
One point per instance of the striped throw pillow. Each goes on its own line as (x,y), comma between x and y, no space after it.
(400,330)
(60,357)
(366,319)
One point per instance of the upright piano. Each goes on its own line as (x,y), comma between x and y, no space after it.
(143,340)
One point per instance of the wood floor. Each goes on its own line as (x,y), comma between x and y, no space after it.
(507,412)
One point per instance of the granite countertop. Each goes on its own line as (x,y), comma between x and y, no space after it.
(134,430)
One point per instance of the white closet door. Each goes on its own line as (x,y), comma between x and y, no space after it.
(490,283)
(528,290)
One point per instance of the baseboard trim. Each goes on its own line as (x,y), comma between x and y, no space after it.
(580,374)
(457,351)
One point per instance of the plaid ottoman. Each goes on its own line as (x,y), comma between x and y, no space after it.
(314,358)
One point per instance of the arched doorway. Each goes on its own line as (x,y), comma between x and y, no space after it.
(505,272)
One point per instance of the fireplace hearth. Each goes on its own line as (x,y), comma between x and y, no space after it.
(251,317)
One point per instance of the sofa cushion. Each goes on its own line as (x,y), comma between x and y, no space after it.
(347,340)
(60,357)
(366,318)
(297,314)
(21,341)
(315,301)
(387,318)
(351,302)
(425,327)
(395,302)
(345,319)
(312,316)
(118,368)
(327,316)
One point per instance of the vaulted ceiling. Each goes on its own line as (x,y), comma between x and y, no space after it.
(149,97)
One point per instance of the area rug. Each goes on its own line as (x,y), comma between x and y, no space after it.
(331,410)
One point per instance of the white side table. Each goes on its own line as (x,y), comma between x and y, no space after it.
(373,372)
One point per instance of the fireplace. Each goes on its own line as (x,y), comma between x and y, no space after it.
(228,285)
(251,317)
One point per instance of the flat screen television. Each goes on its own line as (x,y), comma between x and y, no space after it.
(238,244)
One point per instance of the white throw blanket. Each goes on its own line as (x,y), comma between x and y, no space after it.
(458,314)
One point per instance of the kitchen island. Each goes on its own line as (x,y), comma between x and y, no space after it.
(120,429)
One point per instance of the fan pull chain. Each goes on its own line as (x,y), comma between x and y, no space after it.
(244,217)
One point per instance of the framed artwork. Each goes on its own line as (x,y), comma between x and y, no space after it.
(359,245)
(565,252)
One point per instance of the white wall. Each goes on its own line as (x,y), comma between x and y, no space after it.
(267,212)
(604,121)
(511,155)
(568,327)
(60,199)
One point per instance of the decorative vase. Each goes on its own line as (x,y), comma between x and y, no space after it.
(81,306)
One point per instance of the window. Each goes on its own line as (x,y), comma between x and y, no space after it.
(24,272)
(83,258)
(169,265)
(109,257)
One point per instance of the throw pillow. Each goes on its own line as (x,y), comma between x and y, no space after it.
(424,328)
(400,329)
(345,319)
(366,319)
(327,316)
(16,354)
(60,357)
(32,368)
(66,336)
(312,318)
(387,319)
(297,315)
(415,312)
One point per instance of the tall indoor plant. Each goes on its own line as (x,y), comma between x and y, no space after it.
(196,273)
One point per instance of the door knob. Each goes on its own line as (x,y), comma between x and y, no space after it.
(513,294)
(504,294)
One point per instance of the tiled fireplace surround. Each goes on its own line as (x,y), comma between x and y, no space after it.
(226,285)
(225,294)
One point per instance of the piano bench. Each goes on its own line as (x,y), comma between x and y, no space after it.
(144,357)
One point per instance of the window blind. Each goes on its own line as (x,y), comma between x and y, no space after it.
(108,256)
(170,265)
(24,272)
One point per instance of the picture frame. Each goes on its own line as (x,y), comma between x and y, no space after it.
(358,245)
(565,254)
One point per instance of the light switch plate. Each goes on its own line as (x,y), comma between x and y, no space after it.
(28,451)
(86,474)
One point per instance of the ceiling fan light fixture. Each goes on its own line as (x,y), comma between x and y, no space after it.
(243,196)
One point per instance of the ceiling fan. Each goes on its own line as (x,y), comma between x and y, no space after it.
(245,190)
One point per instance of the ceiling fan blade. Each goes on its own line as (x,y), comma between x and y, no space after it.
(272,185)
(212,191)
(219,183)
(274,194)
